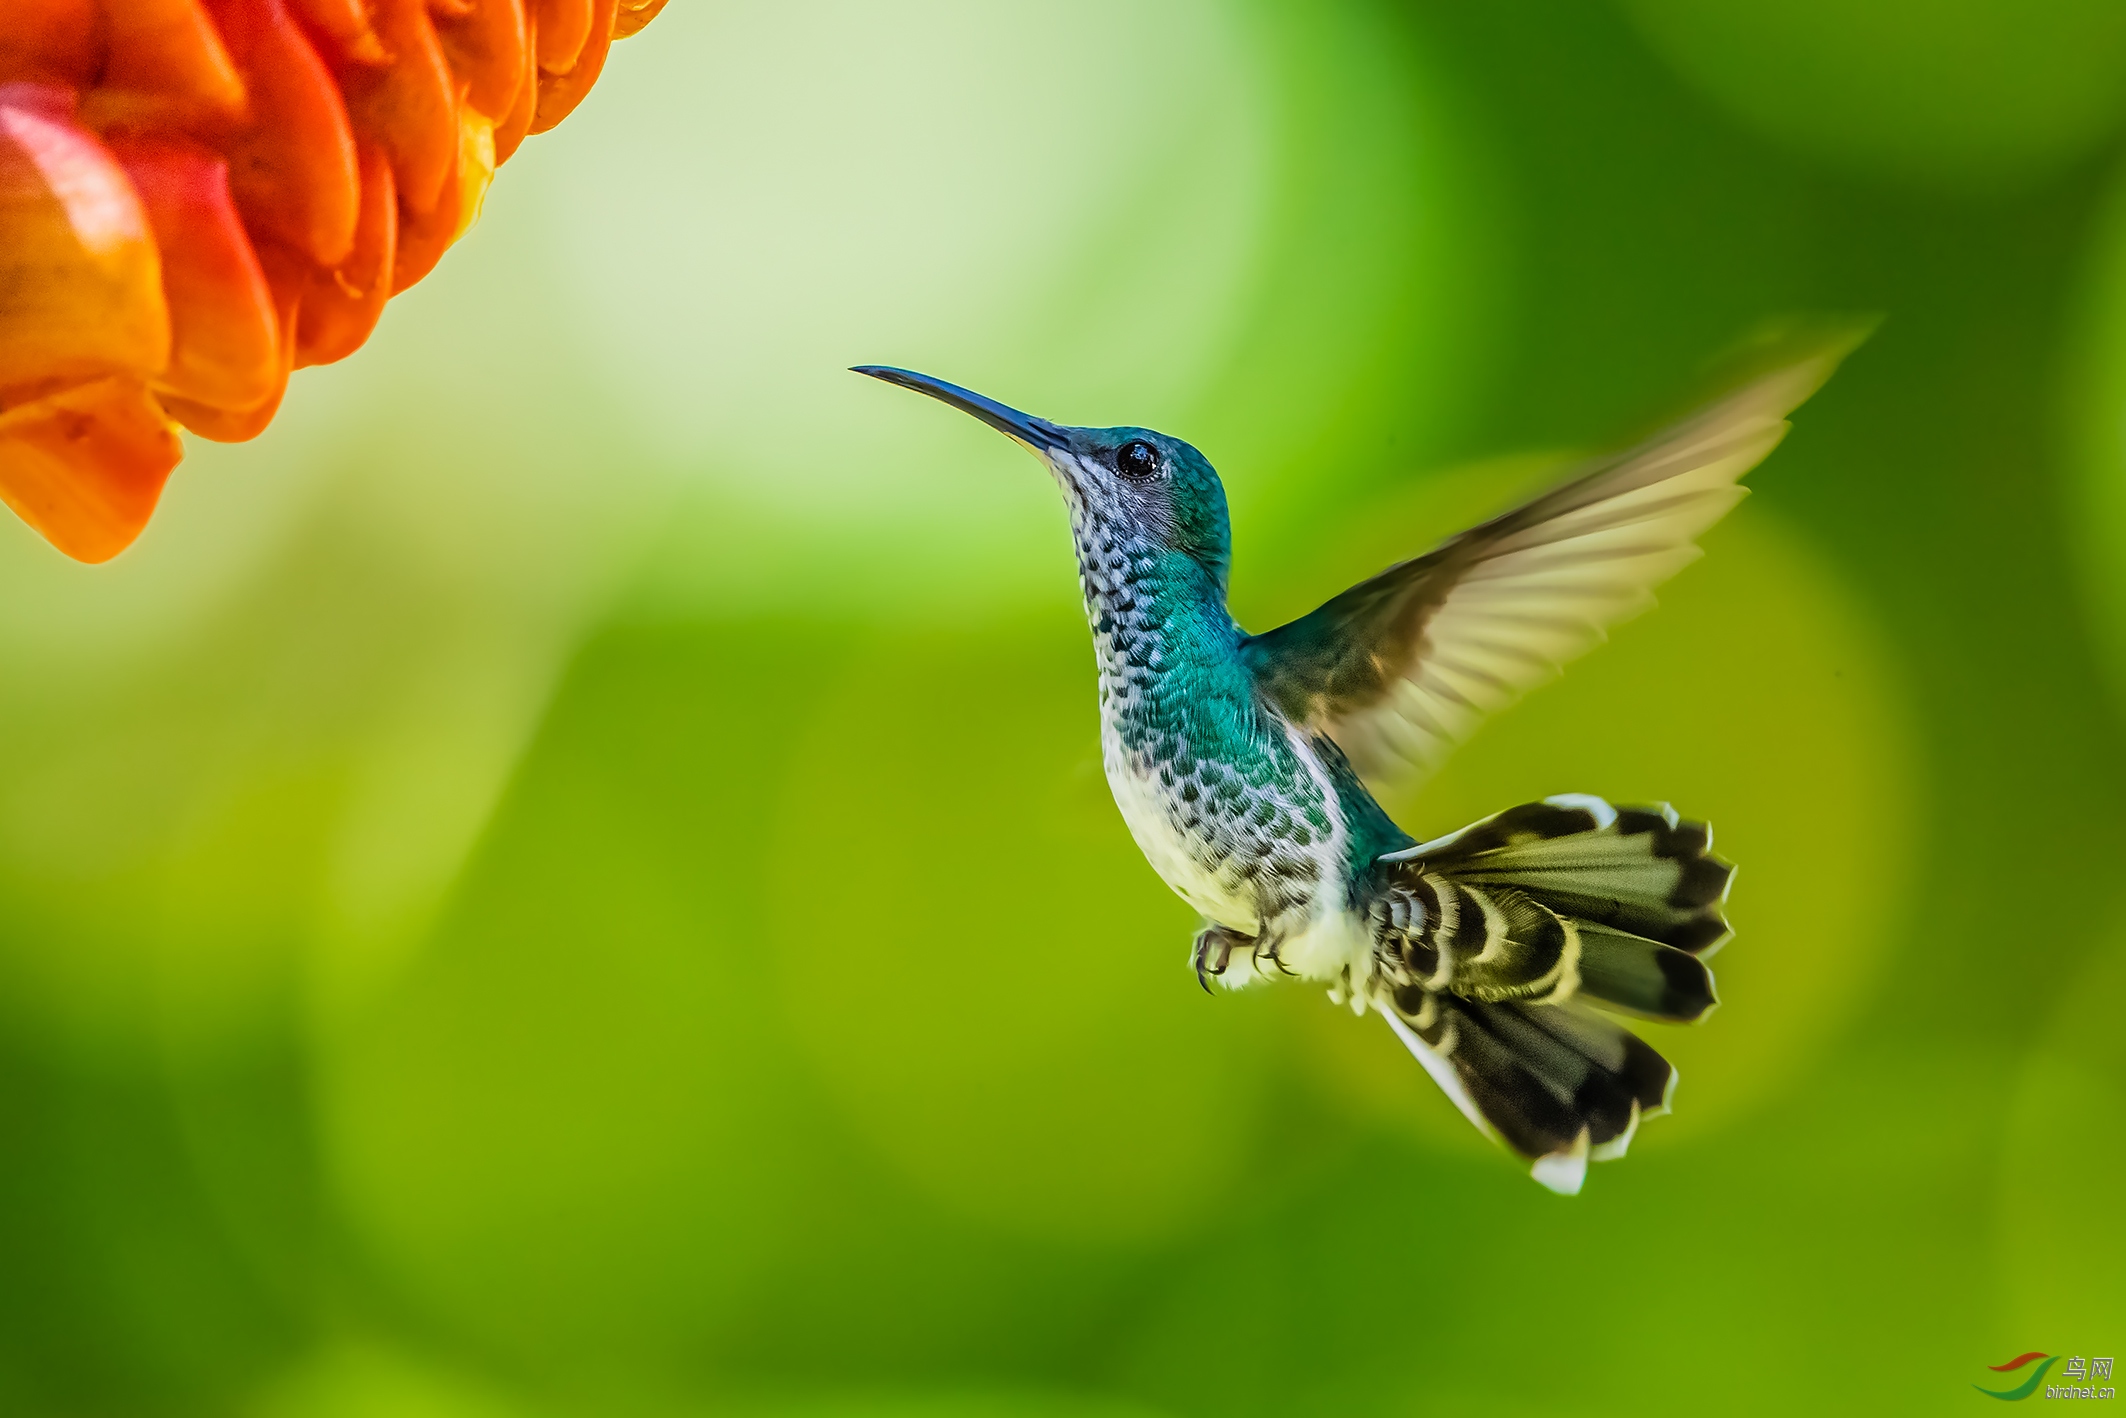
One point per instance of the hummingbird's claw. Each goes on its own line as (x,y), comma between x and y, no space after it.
(1213,952)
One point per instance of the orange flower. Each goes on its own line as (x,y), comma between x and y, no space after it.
(197,196)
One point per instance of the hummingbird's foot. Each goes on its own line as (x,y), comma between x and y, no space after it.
(1270,952)
(1214,951)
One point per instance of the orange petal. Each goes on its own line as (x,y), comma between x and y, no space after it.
(425,236)
(563,27)
(287,271)
(85,466)
(410,109)
(83,292)
(560,93)
(293,169)
(237,424)
(222,425)
(346,26)
(476,166)
(224,344)
(517,122)
(486,48)
(50,42)
(167,67)
(340,308)
(633,15)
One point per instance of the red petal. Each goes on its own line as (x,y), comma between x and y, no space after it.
(410,109)
(425,236)
(286,271)
(560,93)
(167,67)
(346,27)
(224,343)
(223,425)
(510,131)
(293,169)
(486,49)
(51,42)
(340,308)
(564,27)
(633,15)
(78,265)
(85,466)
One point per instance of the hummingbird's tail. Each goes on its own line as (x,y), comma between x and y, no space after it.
(1493,941)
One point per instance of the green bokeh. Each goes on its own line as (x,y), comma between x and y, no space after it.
(980,964)
(2066,1149)
(572,876)
(1968,96)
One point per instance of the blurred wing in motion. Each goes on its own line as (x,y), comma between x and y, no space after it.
(1400,668)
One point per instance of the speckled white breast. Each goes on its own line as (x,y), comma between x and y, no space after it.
(1182,860)
(1317,938)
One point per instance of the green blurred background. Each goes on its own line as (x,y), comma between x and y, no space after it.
(572,875)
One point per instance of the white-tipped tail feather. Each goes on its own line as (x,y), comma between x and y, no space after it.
(1492,943)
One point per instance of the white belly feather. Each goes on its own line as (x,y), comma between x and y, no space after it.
(1220,896)
(1318,939)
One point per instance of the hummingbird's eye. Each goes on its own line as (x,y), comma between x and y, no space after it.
(1137,459)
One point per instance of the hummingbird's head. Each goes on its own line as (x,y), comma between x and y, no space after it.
(1129,484)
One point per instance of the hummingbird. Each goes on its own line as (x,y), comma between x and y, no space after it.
(1248,767)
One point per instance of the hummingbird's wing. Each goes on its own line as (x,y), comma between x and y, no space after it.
(1401,667)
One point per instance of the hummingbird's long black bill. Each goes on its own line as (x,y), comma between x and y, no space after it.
(1034,433)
